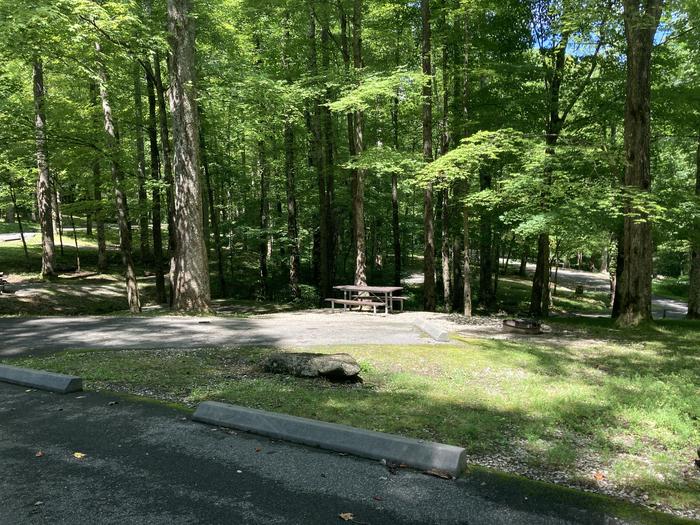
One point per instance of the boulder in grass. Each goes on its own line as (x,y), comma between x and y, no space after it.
(338,367)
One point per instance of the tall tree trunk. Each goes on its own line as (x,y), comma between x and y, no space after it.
(213,212)
(694,289)
(466,270)
(43,185)
(140,163)
(290,179)
(486,285)
(445,251)
(358,175)
(327,136)
(635,292)
(317,158)
(539,298)
(191,272)
(132,291)
(428,227)
(167,168)
(102,260)
(264,218)
(395,227)
(156,217)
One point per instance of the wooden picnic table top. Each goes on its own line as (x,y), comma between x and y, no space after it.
(375,289)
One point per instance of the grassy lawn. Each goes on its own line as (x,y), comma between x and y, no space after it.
(673,287)
(593,407)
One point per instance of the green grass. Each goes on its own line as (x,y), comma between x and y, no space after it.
(626,404)
(672,287)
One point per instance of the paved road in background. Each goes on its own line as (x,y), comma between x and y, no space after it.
(145,463)
(21,336)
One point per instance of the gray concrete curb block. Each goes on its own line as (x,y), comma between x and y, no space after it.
(433,331)
(340,438)
(60,383)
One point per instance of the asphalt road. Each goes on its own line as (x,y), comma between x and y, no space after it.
(25,335)
(145,463)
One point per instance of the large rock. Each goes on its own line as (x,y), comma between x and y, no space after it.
(306,364)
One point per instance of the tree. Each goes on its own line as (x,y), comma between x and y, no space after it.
(635,281)
(429,233)
(191,290)
(43,185)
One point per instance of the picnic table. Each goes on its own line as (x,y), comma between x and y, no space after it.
(371,296)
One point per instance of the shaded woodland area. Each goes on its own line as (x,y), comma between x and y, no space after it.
(271,149)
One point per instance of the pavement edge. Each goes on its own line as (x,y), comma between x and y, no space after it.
(369,444)
(40,379)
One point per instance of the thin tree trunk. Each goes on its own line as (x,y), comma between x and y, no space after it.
(428,226)
(43,185)
(635,293)
(317,158)
(358,186)
(290,180)
(395,227)
(264,218)
(75,240)
(56,206)
(694,289)
(13,197)
(191,272)
(156,217)
(140,164)
(445,251)
(522,271)
(167,168)
(213,212)
(466,271)
(102,260)
(132,291)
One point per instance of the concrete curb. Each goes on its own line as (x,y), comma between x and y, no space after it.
(433,331)
(331,436)
(60,383)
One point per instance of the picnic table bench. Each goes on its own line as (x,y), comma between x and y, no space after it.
(370,296)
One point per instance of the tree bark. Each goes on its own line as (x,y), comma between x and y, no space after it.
(395,227)
(102,260)
(539,298)
(264,219)
(213,212)
(191,269)
(466,270)
(43,185)
(358,184)
(486,285)
(290,180)
(167,165)
(428,226)
(317,158)
(113,146)
(694,289)
(140,163)
(635,281)
(156,216)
